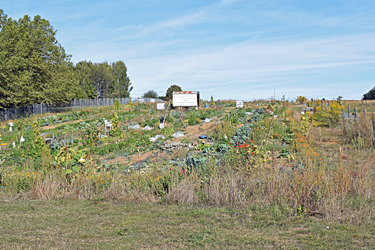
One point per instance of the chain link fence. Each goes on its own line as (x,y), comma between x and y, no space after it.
(41,108)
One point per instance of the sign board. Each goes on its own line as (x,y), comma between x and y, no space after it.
(160,105)
(186,99)
(239,104)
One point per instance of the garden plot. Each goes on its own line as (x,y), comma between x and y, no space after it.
(190,134)
(263,155)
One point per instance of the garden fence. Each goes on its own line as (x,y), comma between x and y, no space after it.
(42,108)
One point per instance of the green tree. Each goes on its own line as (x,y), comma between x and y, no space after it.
(103,80)
(34,67)
(212,101)
(370,95)
(83,73)
(170,90)
(121,85)
(150,94)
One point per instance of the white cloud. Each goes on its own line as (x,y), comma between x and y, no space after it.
(251,65)
(139,31)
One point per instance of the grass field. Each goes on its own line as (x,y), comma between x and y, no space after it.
(269,176)
(84,224)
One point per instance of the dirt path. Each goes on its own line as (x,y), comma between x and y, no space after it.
(191,133)
(52,126)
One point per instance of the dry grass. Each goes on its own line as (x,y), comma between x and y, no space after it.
(183,192)
(327,180)
(82,224)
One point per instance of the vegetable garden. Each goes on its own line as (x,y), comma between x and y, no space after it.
(266,154)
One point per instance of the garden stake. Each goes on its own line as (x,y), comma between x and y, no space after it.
(349,111)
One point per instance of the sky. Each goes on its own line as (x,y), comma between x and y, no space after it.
(228,49)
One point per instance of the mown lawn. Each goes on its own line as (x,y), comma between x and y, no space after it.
(83,224)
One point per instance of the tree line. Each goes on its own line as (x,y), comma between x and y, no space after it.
(34,68)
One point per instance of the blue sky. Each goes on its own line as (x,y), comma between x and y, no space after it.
(231,49)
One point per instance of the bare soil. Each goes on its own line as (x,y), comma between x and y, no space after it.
(191,133)
(52,126)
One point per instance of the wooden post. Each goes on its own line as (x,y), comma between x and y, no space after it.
(349,111)
(364,112)
(182,120)
(355,113)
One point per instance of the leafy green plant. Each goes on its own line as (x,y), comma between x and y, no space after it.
(90,138)
(242,134)
(115,128)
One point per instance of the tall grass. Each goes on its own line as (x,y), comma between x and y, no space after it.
(331,174)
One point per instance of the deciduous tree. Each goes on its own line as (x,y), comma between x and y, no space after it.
(34,67)
(150,94)
(170,90)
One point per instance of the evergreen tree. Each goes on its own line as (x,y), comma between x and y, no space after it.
(121,85)
(370,95)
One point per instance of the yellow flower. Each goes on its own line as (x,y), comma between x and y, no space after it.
(81,160)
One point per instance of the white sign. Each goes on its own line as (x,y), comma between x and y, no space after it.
(239,104)
(182,99)
(160,105)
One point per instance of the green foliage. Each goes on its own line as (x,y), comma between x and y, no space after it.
(168,131)
(90,137)
(73,162)
(242,134)
(224,131)
(370,95)
(116,105)
(102,80)
(115,121)
(327,116)
(39,146)
(236,116)
(170,90)
(212,102)
(83,73)
(193,118)
(301,99)
(34,67)
(258,113)
(121,85)
(150,94)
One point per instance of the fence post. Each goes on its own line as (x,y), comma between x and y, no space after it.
(355,113)
(349,111)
